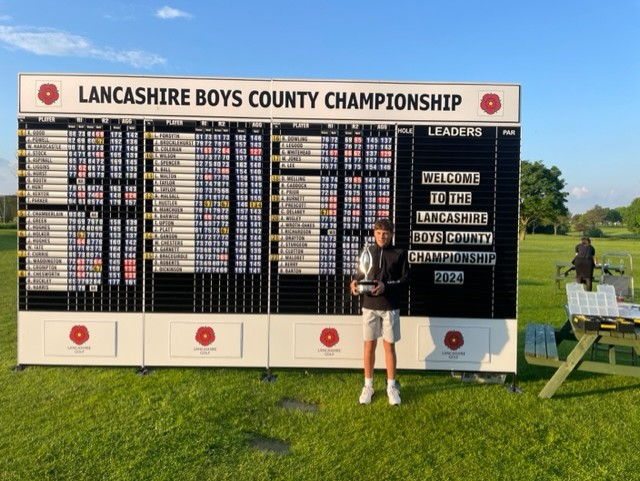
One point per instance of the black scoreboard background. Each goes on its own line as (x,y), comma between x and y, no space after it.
(488,291)
(131,211)
(119,190)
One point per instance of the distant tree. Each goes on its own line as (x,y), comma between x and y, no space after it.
(594,217)
(632,216)
(542,200)
(8,208)
(576,223)
(561,224)
(613,216)
(623,212)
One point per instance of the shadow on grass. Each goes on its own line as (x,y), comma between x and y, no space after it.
(269,445)
(596,392)
(423,393)
(529,373)
(624,236)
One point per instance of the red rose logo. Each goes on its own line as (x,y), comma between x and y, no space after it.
(48,94)
(329,336)
(205,335)
(79,335)
(490,103)
(453,340)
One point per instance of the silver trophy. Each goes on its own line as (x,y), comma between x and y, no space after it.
(365,266)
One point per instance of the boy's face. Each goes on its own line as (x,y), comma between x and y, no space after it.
(382,237)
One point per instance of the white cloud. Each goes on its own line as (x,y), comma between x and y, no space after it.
(136,58)
(168,13)
(4,18)
(62,44)
(579,192)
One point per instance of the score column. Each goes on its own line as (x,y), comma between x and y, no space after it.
(124,226)
(249,227)
(369,171)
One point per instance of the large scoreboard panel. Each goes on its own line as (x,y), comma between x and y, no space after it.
(218,222)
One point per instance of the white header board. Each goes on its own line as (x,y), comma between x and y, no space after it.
(268,99)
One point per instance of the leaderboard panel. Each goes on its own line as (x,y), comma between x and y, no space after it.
(450,191)
(206,216)
(80,231)
(330,182)
(203,221)
(80,224)
(463,240)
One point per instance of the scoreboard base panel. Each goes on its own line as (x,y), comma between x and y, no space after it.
(254,340)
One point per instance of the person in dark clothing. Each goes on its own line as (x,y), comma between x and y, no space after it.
(381,307)
(584,262)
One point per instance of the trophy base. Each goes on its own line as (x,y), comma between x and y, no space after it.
(365,286)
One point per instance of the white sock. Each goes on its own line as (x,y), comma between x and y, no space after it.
(368,382)
(391,383)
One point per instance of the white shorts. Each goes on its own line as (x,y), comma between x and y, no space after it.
(385,324)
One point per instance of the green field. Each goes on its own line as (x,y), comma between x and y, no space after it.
(63,423)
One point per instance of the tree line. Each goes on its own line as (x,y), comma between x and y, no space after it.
(543,206)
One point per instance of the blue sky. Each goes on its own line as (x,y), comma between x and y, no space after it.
(578,62)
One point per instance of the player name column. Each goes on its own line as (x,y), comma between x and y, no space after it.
(45,244)
(174,171)
(299,201)
(46,250)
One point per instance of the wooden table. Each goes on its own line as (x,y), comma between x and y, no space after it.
(610,339)
(563,273)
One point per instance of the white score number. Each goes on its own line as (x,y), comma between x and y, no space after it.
(448,277)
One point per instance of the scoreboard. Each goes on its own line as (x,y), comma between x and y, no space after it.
(218,222)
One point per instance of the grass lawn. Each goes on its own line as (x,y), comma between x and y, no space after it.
(59,423)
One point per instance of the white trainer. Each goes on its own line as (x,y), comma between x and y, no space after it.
(394,396)
(365,396)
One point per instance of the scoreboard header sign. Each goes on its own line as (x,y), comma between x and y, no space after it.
(267,99)
(206,221)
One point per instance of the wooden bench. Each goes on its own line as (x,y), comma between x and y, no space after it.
(540,345)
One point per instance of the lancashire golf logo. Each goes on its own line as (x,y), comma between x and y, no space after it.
(453,340)
(329,337)
(48,93)
(79,335)
(490,103)
(205,335)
